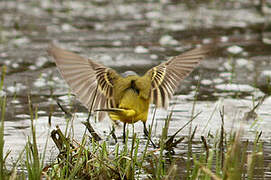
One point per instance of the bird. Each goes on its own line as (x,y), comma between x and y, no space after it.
(125,97)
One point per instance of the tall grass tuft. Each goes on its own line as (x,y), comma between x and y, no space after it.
(232,161)
(34,161)
(2,158)
(2,142)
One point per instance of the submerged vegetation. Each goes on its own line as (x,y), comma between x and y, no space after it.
(223,156)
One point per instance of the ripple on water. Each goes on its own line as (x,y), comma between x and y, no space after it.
(235,49)
(235,87)
(141,49)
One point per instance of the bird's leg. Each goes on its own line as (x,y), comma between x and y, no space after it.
(112,133)
(124,133)
(146,132)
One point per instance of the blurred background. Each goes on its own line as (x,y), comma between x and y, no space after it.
(136,35)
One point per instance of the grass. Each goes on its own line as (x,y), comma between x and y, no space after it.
(222,156)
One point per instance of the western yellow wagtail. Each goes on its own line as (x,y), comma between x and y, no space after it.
(125,98)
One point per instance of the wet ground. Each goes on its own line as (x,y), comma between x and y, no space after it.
(136,36)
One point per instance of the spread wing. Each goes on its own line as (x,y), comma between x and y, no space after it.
(166,77)
(91,82)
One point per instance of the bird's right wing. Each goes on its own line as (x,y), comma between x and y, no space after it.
(91,82)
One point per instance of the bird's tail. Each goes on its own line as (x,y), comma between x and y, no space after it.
(116,110)
(126,112)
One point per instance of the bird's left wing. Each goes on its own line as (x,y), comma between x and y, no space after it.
(91,82)
(166,77)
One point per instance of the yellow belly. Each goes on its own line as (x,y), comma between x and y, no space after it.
(134,108)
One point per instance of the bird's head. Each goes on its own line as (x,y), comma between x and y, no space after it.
(129,73)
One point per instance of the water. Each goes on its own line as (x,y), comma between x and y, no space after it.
(135,36)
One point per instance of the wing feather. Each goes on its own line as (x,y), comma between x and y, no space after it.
(91,82)
(166,77)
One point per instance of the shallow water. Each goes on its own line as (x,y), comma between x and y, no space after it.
(135,36)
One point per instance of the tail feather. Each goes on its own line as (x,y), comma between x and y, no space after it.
(125,112)
(116,110)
